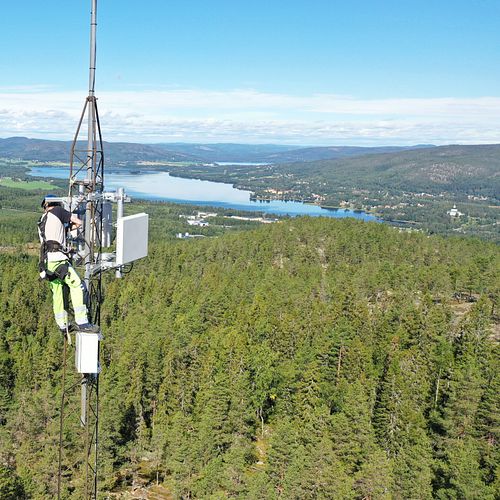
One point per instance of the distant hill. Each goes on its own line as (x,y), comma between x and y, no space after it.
(227,152)
(453,169)
(444,168)
(119,152)
(470,169)
(115,152)
(335,152)
(273,153)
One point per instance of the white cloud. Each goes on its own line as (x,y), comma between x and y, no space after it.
(246,115)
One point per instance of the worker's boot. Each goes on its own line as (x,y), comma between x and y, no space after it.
(67,329)
(88,328)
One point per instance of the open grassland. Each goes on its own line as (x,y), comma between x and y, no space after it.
(26,185)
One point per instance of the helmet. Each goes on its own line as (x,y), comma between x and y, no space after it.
(46,202)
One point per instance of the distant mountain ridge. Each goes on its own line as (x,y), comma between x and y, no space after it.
(279,154)
(473,169)
(227,152)
(337,152)
(24,148)
(125,152)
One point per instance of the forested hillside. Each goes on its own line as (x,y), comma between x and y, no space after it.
(273,153)
(459,169)
(40,150)
(310,359)
(416,187)
(125,152)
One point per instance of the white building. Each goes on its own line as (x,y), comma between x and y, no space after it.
(454,212)
(197,222)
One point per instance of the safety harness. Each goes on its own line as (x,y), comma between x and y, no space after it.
(51,246)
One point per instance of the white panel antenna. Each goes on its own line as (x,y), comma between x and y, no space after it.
(131,238)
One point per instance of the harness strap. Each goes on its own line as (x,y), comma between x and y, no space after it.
(54,246)
(47,246)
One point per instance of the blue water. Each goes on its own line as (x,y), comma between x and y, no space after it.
(163,187)
(241,163)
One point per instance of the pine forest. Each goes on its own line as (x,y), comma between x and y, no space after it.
(307,359)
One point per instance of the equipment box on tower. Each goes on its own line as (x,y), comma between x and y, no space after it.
(87,352)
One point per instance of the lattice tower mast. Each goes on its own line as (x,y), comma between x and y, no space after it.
(88,199)
(86,184)
(86,194)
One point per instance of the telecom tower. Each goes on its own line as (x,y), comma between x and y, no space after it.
(89,200)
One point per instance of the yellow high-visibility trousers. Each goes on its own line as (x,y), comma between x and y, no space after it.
(74,283)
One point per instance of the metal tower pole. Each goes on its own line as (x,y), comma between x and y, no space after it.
(87,198)
(85,194)
(87,179)
(89,222)
(93,223)
(120,198)
(91,143)
(93,30)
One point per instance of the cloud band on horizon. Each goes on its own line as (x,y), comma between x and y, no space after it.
(246,115)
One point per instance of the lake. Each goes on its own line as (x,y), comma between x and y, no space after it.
(162,186)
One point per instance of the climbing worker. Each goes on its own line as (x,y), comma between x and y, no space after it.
(55,265)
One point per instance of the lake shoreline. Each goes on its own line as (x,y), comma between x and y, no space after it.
(165,185)
(254,197)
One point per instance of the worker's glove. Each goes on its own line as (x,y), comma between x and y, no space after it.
(41,270)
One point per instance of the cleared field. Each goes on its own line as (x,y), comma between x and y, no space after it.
(18,184)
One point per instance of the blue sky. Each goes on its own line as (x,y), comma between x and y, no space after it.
(360,72)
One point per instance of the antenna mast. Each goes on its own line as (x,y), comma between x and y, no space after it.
(93,179)
(86,198)
(86,183)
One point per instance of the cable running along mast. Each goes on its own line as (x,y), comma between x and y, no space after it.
(87,198)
